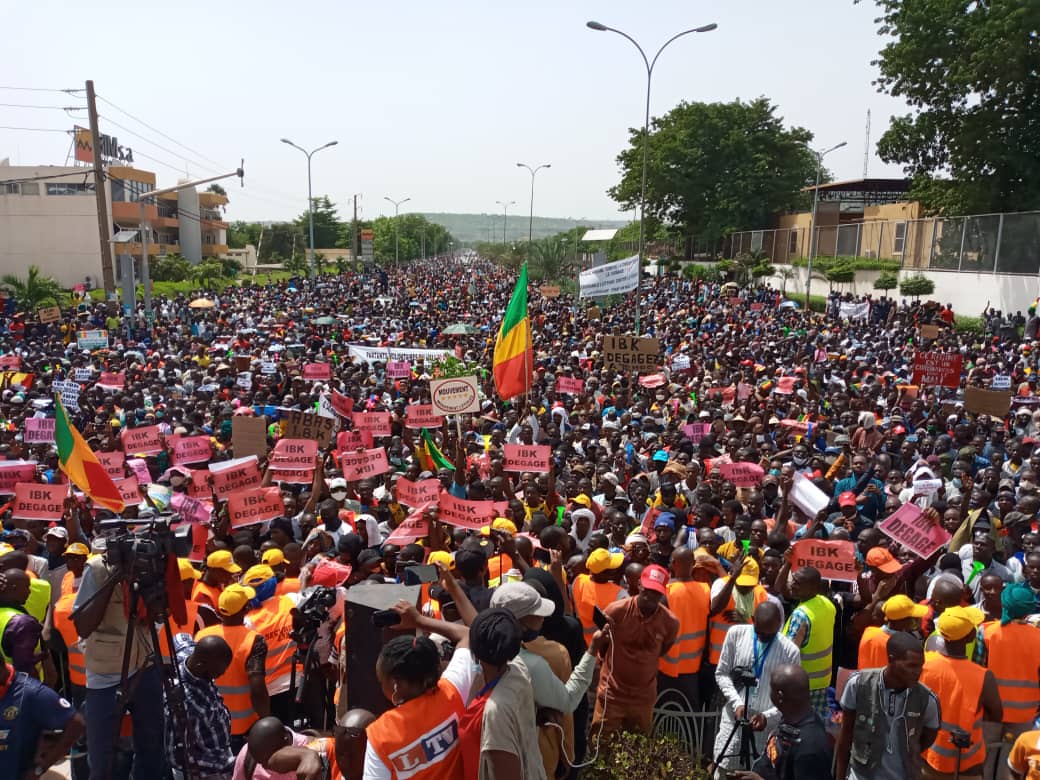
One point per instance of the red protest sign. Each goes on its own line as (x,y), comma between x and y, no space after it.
(834,560)
(317,372)
(473,515)
(653,380)
(352,440)
(343,405)
(146,440)
(399,369)
(785,385)
(375,423)
(10,362)
(367,463)
(198,487)
(39,502)
(233,475)
(191,449)
(199,537)
(294,454)
(696,431)
(129,490)
(756,306)
(254,505)
(292,477)
(734,300)
(421,416)
(416,494)
(742,474)
(909,526)
(572,386)
(523,457)
(937,369)
(113,463)
(39,430)
(415,526)
(14,471)
(110,379)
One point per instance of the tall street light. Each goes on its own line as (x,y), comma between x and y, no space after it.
(310,197)
(505,208)
(646,126)
(812,224)
(530,221)
(397,228)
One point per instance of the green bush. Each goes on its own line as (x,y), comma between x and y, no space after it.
(840,274)
(762,270)
(636,757)
(916,286)
(886,281)
(856,263)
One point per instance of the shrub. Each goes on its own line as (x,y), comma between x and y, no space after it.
(636,757)
(916,286)
(886,281)
(840,274)
(857,263)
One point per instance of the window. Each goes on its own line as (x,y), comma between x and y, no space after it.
(792,246)
(127,191)
(69,188)
(30,188)
(9,188)
(899,241)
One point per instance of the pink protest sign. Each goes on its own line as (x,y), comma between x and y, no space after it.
(110,379)
(343,405)
(129,490)
(39,502)
(415,526)
(421,416)
(39,430)
(10,362)
(294,454)
(140,470)
(14,471)
(567,385)
(473,515)
(192,509)
(696,431)
(367,463)
(317,372)
(146,440)
(352,440)
(113,463)
(416,494)
(254,505)
(742,474)
(399,369)
(191,449)
(376,423)
(909,526)
(523,457)
(233,475)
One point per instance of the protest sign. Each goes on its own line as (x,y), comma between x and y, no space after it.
(130,490)
(909,526)
(523,457)
(473,515)
(744,391)
(937,369)
(254,505)
(317,372)
(191,509)
(199,537)
(610,278)
(69,392)
(454,396)
(550,290)
(146,440)
(567,385)
(1000,382)
(325,408)
(756,306)
(83,374)
(421,416)
(14,471)
(198,484)
(742,474)
(351,440)
(653,380)
(292,477)
(834,560)
(232,475)
(375,423)
(416,494)
(39,430)
(367,463)
(304,425)
(113,463)
(631,354)
(343,405)
(415,526)
(249,435)
(39,502)
(140,470)
(268,367)
(681,363)
(785,385)
(848,310)
(242,363)
(50,314)
(10,362)
(929,332)
(190,449)
(386,354)
(92,339)
(244,380)
(294,454)
(399,369)
(112,380)
(696,431)
(807,497)
(995,403)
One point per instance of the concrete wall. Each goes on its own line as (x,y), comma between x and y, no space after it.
(190,226)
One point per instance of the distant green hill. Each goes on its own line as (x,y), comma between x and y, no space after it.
(471,228)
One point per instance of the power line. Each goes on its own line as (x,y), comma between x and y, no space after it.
(156,130)
(31,105)
(40,89)
(34,129)
(158,146)
(81,172)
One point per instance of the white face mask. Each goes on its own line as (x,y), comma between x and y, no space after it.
(337,494)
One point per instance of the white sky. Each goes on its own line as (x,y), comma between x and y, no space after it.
(432,101)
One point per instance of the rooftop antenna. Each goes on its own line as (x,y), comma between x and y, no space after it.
(866,148)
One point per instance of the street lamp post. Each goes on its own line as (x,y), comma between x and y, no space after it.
(310,197)
(646,127)
(812,221)
(397,228)
(530,221)
(505,208)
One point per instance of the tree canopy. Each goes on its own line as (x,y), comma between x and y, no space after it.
(717,167)
(969,72)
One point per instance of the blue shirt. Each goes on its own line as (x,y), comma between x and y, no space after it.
(874,505)
(27,710)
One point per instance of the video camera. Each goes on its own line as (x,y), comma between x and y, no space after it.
(141,555)
(310,613)
(743,677)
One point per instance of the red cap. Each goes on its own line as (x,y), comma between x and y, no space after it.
(329,573)
(882,559)
(848,498)
(655,578)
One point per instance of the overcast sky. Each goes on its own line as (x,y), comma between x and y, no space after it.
(432,101)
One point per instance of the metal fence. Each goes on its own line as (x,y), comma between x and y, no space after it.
(983,243)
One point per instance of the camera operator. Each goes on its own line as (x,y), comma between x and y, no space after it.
(755,649)
(799,747)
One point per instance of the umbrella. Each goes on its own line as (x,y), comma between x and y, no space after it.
(201,303)
(460,329)
(789,305)
(324,321)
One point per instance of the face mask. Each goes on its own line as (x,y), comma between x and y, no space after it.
(775,472)
(799,461)
(339,495)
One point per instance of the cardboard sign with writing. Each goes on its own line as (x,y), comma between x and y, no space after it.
(140,471)
(473,515)
(376,423)
(303,425)
(937,369)
(421,416)
(742,474)
(415,526)
(567,385)
(113,463)
(82,374)
(38,502)
(10,362)
(39,430)
(523,457)
(995,403)
(367,463)
(254,505)
(237,474)
(343,405)
(249,436)
(631,354)
(242,363)
(294,454)
(191,449)
(111,379)
(191,509)
(146,440)
(834,560)
(455,396)
(399,369)
(550,290)
(129,490)
(317,372)
(351,440)
(14,471)
(909,526)
(416,494)
(696,431)
(929,332)
(50,314)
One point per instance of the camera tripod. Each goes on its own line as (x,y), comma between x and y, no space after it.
(747,752)
(304,656)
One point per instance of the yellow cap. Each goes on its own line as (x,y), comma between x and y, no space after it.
(583,499)
(442,558)
(258,574)
(77,548)
(601,560)
(188,572)
(273,557)
(958,622)
(5,548)
(749,573)
(222,559)
(504,524)
(234,598)
(902,607)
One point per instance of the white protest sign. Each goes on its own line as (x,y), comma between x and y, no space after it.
(807,497)
(454,396)
(619,277)
(1000,382)
(69,392)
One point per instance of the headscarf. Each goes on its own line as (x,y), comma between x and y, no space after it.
(582,543)
(1017,600)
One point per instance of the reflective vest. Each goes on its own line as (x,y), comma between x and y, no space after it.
(187,627)
(273,621)
(817,652)
(68,583)
(205,594)
(288,585)
(718,626)
(1013,654)
(234,683)
(420,739)
(326,746)
(39,599)
(957,682)
(497,566)
(64,625)
(587,594)
(6,613)
(690,603)
(873,648)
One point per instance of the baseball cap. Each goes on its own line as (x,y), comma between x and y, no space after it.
(749,573)
(188,572)
(58,531)
(504,524)
(234,598)
(222,559)
(901,607)
(655,578)
(273,557)
(582,499)
(337,483)
(601,560)
(522,600)
(848,498)
(443,558)
(329,573)
(77,548)
(958,622)
(882,559)
(258,574)
(661,456)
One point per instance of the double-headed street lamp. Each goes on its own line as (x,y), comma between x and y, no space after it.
(530,221)
(812,224)
(505,208)
(397,228)
(646,125)
(310,197)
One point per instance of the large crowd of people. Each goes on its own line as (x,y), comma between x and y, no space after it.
(776,520)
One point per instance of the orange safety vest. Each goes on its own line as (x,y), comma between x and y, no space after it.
(1013,653)
(326,746)
(234,683)
(187,627)
(273,621)
(420,739)
(205,594)
(288,585)
(718,626)
(587,594)
(957,682)
(68,583)
(873,648)
(497,566)
(67,629)
(690,602)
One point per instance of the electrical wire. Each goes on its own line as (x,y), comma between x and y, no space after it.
(155,129)
(196,163)
(34,129)
(30,105)
(40,89)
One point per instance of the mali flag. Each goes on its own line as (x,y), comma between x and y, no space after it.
(430,456)
(514,355)
(80,464)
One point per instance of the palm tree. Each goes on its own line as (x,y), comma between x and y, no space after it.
(34,289)
(548,259)
(206,273)
(786,274)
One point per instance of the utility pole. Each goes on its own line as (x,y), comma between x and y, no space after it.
(104,229)
(355,230)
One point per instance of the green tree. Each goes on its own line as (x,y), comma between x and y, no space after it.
(786,274)
(207,274)
(230,268)
(718,167)
(840,274)
(297,264)
(548,261)
(219,190)
(916,286)
(240,233)
(34,289)
(170,268)
(326,223)
(968,70)
(887,280)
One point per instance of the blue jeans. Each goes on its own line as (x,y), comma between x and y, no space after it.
(146,710)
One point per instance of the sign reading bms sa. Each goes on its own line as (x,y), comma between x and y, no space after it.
(110,148)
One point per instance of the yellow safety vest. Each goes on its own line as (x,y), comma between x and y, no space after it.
(817,652)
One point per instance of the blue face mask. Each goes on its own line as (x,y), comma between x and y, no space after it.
(774,472)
